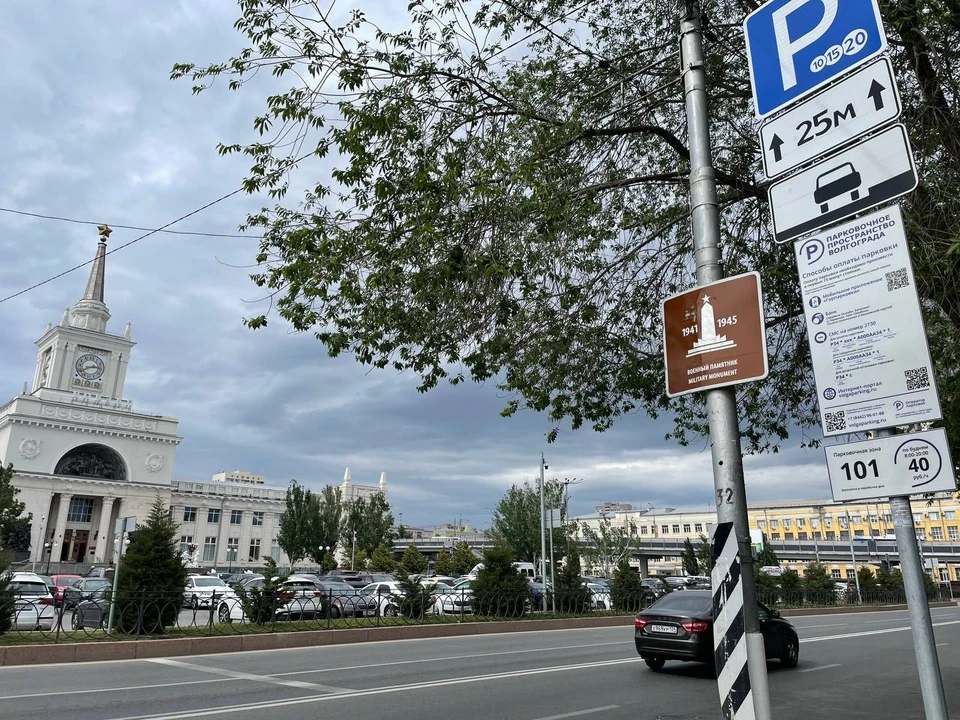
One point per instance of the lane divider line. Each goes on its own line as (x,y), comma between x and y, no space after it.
(248,676)
(870,632)
(820,667)
(578,713)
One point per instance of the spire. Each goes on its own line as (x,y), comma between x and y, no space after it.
(383,481)
(126,332)
(95,282)
(90,312)
(346,477)
(65,320)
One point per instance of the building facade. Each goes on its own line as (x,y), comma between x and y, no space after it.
(84,456)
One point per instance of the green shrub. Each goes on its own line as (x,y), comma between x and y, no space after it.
(260,603)
(626,589)
(500,590)
(571,595)
(414,599)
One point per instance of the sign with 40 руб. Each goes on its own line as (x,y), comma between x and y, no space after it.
(714,335)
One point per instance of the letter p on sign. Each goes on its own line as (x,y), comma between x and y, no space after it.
(813,42)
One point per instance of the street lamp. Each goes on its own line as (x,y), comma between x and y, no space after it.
(322,551)
(48,549)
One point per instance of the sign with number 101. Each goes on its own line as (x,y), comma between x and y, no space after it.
(893,465)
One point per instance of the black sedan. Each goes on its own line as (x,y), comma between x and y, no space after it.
(82,589)
(679,626)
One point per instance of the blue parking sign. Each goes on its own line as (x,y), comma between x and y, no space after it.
(795,46)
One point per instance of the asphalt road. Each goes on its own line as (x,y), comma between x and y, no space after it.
(851,666)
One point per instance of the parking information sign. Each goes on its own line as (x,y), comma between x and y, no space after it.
(866,174)
(796,46)
(892,465)
(863,101)
(714,335)
(867,341)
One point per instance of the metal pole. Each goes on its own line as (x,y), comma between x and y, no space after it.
(722,415)
(40,543)
(553,579)
(116,576)
(853,556)
(928,665)
(543,539)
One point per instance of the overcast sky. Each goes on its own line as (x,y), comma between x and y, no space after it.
(93,129)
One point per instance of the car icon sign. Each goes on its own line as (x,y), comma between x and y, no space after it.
(838,181)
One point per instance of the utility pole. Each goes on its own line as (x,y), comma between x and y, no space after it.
(853,557)
(722,414)
(543,538)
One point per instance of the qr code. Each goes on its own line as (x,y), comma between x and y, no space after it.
(836,421)
(917,378)
(897,279)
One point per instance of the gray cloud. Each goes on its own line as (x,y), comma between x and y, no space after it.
(93,129)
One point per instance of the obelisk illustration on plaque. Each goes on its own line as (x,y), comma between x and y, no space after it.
(709,341)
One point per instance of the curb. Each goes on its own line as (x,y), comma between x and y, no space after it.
(14,655)
(18,655)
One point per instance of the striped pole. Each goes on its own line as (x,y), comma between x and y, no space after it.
(729,636)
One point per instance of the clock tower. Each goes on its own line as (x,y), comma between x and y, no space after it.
(78,355)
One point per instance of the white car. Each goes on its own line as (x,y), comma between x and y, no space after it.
(200,590)
(298,598)
(599,596)
(34,604)
(386,595)
(457,600)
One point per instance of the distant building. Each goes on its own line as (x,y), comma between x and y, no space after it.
(350,492)
(610,507)
(239,476)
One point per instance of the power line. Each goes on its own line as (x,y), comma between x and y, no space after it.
(123,227)
(121,247)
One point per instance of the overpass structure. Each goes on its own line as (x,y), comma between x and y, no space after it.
(865,550)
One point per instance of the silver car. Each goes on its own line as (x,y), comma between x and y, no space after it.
(34,605)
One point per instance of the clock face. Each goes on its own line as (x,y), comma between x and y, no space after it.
(89,367)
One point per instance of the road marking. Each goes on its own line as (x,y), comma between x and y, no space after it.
(580,712)
(449,657)
(942,644)
(874,622)
(810,627)
(247,707)
(820,667)
(118,689)
(871,632)
(248,676)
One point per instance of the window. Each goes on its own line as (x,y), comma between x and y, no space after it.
(858,533)
(786,522)
(257,519)
(936,533)
(917,517)
(236,517)
(213,515)
(857,519)
(851,574)
(956,570)
(686,528)
(761,524)
(210,548)
(874,533)
(934,516)
(831,535)
(835,574)
(788,536)
(81,510)
(676,529)
(275,550)
(888,518)
(953,533)
(818,535)
(801,535)
(643,529)
(774,524)
(944,576)
(844,522)
(828,522)
(698,527)
(922,534)
(233,547)
(801,522)
(664,529)
(185,542)
(774,536)
(254,550)
(814,522)
(189,514)
(844,534)
(949,514)
(874,518)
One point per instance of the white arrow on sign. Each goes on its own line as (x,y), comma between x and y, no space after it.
(861,102)
(865,174)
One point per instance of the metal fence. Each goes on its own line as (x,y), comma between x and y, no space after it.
(150,615)
(153,615)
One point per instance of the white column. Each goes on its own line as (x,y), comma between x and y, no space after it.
(105,530)
(60,527)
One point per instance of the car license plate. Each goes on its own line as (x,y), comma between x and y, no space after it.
(665,629)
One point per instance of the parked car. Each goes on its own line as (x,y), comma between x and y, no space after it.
(657,585)
(92,613)
(458,600)
(343,600)
(298,598)
(34,607)
(201,589)
(679,626)
(384,594)
(599,596)
(81,589)
(100,571)
(59,583)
